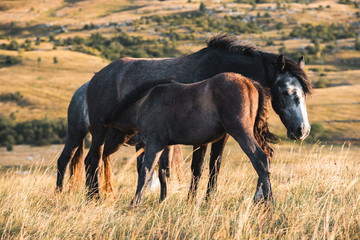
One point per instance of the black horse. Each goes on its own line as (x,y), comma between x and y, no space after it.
(223,54)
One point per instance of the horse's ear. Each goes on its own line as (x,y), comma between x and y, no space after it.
(301,62)
(281,63)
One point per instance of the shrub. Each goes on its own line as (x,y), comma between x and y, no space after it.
(321,83)
(12,60)
(14,46)
(9,147)
(316,133)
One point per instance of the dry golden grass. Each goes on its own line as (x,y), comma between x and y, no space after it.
(316,190)
(47,87)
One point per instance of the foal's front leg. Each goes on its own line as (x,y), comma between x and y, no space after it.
(244,135)
(260,162)
(151,158)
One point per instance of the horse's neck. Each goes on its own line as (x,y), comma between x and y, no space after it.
(217,61)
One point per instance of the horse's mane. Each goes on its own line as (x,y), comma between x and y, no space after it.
(230,44)
(261,129)
(297,71)
(130,98)
(247,48)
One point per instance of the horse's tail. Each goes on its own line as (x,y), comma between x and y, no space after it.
(176,160)
(130,99)
(261,129)
(105,175)
(77,167)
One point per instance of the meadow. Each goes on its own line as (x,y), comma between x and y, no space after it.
(316,196)
(50,48)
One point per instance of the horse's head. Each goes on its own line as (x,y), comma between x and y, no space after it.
(288,97)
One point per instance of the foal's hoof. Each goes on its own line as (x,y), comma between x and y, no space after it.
(58,190)
(259,196)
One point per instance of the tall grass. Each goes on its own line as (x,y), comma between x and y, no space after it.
(316,196)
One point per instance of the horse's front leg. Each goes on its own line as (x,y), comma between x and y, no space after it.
(217,149)
(197,166)
(151,158)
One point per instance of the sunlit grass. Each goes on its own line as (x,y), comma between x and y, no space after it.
(316,195)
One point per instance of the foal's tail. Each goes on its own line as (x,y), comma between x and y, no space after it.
(261,130)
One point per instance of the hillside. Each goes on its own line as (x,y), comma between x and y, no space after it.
(50,48)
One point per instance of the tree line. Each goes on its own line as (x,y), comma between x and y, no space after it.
(35,132)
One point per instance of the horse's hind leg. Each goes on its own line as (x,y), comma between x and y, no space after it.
(217,149)
(151,158)
(72,143)
(197,166)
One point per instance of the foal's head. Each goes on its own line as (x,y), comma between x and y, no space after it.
(288,97)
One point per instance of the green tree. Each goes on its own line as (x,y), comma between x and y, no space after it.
(202,7)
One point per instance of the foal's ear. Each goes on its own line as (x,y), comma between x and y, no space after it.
(281,63)
(301,62)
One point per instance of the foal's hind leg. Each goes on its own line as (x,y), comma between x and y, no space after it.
(152,155)
(197,166)
(164,172)
(217,149)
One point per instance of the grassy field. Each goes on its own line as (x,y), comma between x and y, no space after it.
(316,196)
(316,187)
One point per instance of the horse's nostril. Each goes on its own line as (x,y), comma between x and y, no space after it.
(299,131)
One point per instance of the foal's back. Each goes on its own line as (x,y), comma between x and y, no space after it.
(198,113)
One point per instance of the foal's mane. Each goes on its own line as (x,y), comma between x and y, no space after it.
(261,129)
(247,48)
